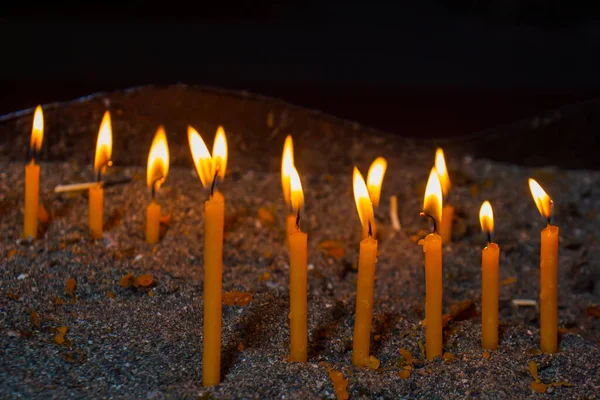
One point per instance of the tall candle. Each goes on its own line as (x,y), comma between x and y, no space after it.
(490,258)
(548,271)
(210,169)
(445,225)
(102,160)
(298,277)
(32,177)
(157,170)
(365,284)
(214,217)
(432,247)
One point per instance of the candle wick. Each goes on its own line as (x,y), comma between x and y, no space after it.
(213,185)
(103,166)
(551,218)
(370,229)
(154,186)
(489,236)
(298,220)
(424,214)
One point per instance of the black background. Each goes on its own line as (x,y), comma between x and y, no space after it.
(421,69)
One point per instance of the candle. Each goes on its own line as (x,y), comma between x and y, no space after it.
(156,173)
(298,272)
(287,166)
(432,247)
(374,182)
(101,161)
(210,169)
(548,271)
(447,210)
(32,176)
(489,281)
(366,274)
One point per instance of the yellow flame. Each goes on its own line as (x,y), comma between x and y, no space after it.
(104,143)
(361,198)
(297,195)
(219,153)
(201,157)
(37,133)
(541,198)
(440,166)
(375,179)
(287,164)
(432,204)
(486,217)
(158,159)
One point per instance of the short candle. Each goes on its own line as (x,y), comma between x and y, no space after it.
(32,176)
(156,173)
(102,160)
(490,259)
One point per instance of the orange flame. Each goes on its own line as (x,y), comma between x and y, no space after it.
(158,160)
(362,199)
(440,166)
(37,132)
(486,217)
(432,204)
(104,144)
(219,153)
(541,198)
(287,165)
(207,165)
(297,195)
(375,179)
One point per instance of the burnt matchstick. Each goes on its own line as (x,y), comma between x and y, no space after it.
(85,186)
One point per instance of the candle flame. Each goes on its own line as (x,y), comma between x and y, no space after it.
(432,204)
(158,159)
(219,153)
(37,133)
(104,144)
(297,195)
(486,217)
(207,165)
(361,198)
(541,198)
(375,179)
(440,166)
(287,165)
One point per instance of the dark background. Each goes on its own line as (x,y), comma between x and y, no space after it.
(423,69)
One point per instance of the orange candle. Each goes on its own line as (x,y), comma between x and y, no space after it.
(367,259)
(490,259)
(447,217)
(32,177)
(290,225)
(548,271)
(298,277)
(156,173)
(432,247)
(210,169)
(102,160)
